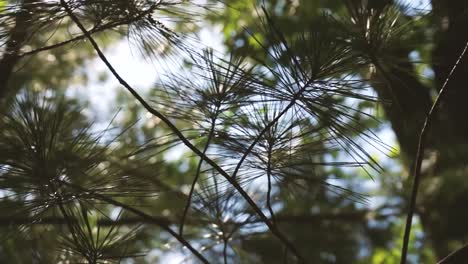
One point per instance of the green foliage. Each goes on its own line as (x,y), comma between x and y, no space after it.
(264,154)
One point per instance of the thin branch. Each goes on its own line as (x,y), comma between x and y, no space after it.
(197,174)
(272,213)
(419,158)
(289,106)
(458,256)
(184,140)
(358,216)
(267,127)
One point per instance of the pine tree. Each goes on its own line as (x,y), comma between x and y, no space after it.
(263,132)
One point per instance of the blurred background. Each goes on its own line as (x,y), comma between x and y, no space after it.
(353,207)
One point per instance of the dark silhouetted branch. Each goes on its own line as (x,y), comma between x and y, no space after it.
(197,173)
(459,256)
(184,140)
(419,158)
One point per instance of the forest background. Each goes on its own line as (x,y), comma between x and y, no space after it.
(123,124)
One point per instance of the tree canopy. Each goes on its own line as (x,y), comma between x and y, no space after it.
(317,132)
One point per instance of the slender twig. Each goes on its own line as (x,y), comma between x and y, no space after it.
(296,96)
(350,217)
(184,140)
(419,158)
(272,213)
(197,175)
(141,214)
(458,256)
(267,127)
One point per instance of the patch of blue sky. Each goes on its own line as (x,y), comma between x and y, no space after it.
(417,6)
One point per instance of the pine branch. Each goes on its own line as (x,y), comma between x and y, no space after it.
(141,214)
(186,142)
(197,173)
(420,156)
(292,102)
(267,127)
(272,213)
